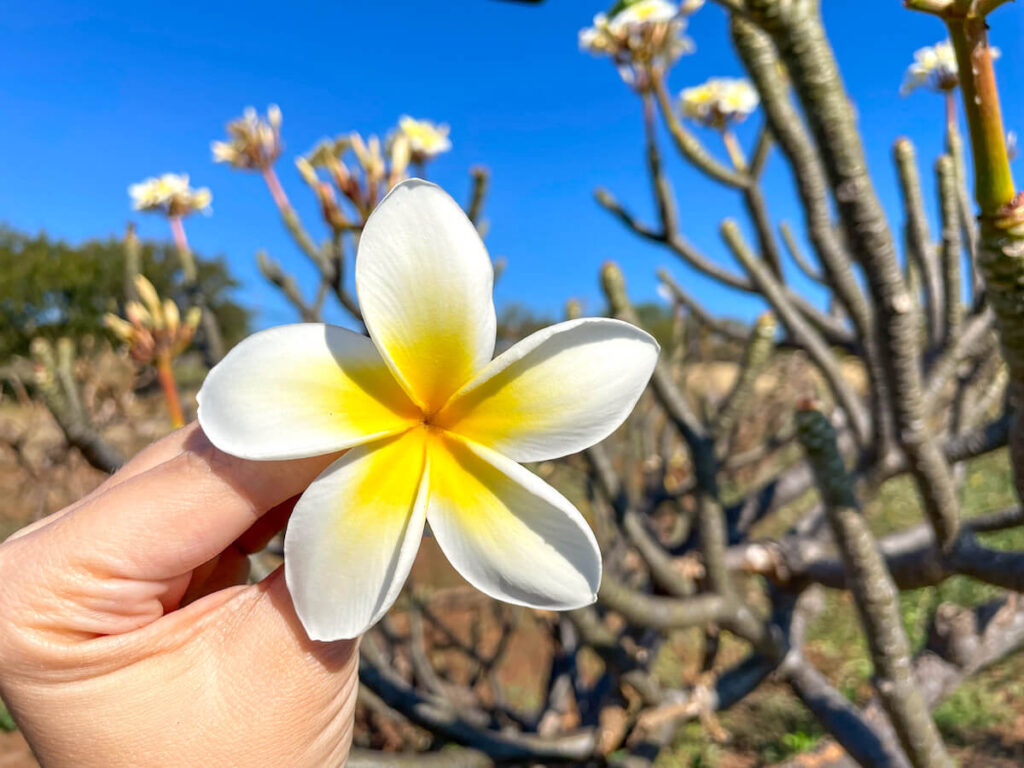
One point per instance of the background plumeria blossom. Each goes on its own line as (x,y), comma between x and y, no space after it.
(169,194)
(640,33)
(935,68)
(426,139)
(719,101)
(433,426)
(254,143)
(610,31)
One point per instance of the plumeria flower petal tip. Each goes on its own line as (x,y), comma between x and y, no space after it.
(435,428)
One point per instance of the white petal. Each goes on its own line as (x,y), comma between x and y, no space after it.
(301,390)
(558,391)
(509,534)
(354,535)
(425,283)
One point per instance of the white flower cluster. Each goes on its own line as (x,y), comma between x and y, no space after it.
(426,139)
(607,34)
(640,32)
(719,101)
(253,142)
(169,194)
(935,68)
(376,162)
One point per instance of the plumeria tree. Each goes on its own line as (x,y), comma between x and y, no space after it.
(676,497)
(933,376)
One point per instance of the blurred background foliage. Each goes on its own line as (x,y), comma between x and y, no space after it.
(50,288)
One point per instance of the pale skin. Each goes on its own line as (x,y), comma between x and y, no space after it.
(129,636)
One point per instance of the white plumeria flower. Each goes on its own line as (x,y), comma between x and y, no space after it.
(638,32)
(597,39)
(169,194)
(254,143)
(156,190)
(434,428)
(426,139)
(643,12)
(719,101)
(935,68)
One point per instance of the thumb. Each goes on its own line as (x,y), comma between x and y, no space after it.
(125,557)
(261,646)
(231,679)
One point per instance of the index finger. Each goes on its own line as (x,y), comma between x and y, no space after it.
(176,515)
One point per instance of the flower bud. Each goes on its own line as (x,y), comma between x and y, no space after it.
(172,317)
(253,143)
(150,298)
(307,171)
(274,117)
(400,156)
(137,314)
(123,329)
(192,318)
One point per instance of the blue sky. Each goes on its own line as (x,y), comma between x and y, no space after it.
(98,95)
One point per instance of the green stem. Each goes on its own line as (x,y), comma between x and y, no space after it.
(1001,240)
(993,181)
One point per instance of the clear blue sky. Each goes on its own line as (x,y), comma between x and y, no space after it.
(101,94)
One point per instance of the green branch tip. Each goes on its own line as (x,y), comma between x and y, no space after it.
(613,282)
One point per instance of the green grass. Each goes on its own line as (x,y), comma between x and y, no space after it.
(972,709)
(774,727)
(691,749)
(772,724)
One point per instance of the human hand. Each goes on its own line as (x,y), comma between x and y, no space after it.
(129,637)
